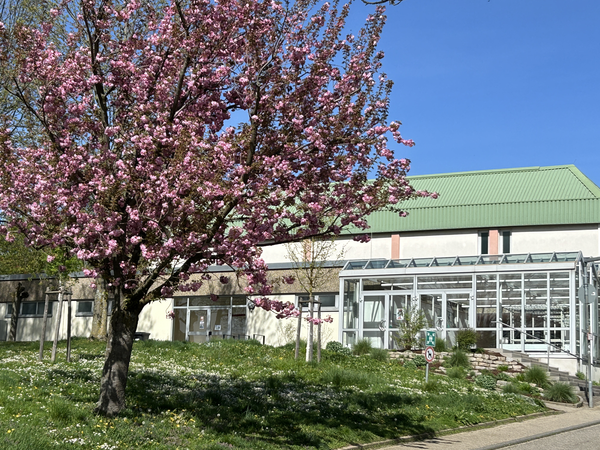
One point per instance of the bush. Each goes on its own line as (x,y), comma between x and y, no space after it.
(466,338)
(409,334)
(379,354)
(502,368)
(440,346)
(410,364)
(537,375)
(337,347)
(511,388)
(362,347)
(456,373)
(580,375)
(486,382)
(560,392)
(458,358)
(431,386)
(420,361)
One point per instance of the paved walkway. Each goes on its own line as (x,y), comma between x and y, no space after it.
(510,433)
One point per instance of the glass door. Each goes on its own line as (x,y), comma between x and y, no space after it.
(197,325)
(374,320)
(399,305)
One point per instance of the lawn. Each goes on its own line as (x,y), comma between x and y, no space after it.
(231,394)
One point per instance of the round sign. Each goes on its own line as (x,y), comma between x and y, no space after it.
(429,354)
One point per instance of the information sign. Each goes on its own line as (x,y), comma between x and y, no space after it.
(430,338)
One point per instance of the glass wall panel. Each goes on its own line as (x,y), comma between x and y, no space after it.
(374,311)
(399,304)
(387,284)
(179,324)
(431,305)
(351,304)
(374,337)
(486,297)
(445,282)
(349,338)
(559,300)
(457,310)
(511,299)
(536,301)
(486,339)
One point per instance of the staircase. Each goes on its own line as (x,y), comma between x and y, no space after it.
(581,386)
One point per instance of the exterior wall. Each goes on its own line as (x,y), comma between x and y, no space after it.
(153,320)
(555,239)
(419,245)
(283,331)
(344,248)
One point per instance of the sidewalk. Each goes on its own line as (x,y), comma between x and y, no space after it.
(509,433)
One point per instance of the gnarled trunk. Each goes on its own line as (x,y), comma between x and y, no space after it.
(123,324)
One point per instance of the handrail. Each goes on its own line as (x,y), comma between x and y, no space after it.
(520,330)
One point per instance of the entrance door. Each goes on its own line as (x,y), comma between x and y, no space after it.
(197,325)
(381,315)
(204,323)
(374,312)
(446,312)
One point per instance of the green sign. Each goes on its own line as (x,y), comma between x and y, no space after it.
(430,338)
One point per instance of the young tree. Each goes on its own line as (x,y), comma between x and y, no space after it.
(141,169)
(312,271)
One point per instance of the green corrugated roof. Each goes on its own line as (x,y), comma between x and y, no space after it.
(497,198)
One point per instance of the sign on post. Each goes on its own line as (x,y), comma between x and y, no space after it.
(430,338)
(429,354)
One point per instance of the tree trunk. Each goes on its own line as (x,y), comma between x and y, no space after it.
(18,295)
(309,343)
(99,320)
(298,330)
(123,324)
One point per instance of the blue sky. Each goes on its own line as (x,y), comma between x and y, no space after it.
(495,84)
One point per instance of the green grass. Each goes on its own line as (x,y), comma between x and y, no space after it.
(538,376)
(230,394)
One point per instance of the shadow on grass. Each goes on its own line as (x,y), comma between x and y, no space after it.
(281,409)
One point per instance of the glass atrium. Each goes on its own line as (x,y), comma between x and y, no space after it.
(520,302)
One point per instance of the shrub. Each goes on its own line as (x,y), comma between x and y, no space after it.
(440,346)
(379,354)
(420,361)
(337,347)
(466,338)
(580,375)
(410,364)
(486,382)
(431,386)
(456,372)
(502,368)
(362,347)
(511,388)
(537,375)
(345,377)
(409,334)
(560,392)
(458,358)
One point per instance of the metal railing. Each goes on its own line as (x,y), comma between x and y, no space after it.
(523,332)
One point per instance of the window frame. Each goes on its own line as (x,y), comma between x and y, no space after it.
(334,307)
(39,309)
(89,313)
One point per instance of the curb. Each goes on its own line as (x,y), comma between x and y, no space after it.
(420,437)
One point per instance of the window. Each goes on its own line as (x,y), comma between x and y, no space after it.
(30,309)
(85,308)
(484,238)
(328,301)
(506,242)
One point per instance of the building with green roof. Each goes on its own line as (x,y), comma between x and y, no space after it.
(505,252)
